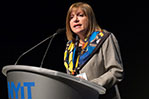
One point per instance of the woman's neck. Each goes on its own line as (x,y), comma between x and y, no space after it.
(82,37)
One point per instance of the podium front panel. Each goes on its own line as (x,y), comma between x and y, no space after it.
(25,85)
(28,82)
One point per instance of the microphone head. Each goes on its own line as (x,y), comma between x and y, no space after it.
(61,30)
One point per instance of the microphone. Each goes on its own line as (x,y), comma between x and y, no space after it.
(60,30)
(52,36)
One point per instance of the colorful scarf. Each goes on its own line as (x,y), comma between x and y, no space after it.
(72,62)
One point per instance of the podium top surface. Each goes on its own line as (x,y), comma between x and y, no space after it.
(44,71)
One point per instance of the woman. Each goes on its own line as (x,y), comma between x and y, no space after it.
(92,50)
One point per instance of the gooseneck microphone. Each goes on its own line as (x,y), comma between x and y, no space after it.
(52,36)
(57,32)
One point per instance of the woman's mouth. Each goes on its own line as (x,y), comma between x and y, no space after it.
(77,25)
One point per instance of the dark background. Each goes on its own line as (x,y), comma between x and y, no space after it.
(25,23)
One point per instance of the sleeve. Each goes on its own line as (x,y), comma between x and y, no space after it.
(112,63)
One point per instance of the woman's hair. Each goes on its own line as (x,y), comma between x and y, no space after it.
(88,11)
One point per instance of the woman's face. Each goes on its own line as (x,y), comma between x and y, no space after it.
(78,21)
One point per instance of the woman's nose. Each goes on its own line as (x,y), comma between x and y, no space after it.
(76,19)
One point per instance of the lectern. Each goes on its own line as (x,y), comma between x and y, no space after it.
(30,82)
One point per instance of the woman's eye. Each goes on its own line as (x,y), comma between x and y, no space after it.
(71,17)
(81,15)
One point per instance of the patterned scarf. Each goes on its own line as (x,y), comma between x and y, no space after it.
(73,62)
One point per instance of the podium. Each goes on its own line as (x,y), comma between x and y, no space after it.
(30,82)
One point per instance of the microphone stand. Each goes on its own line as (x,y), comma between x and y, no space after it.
(57,32)
(52,36)
(47,49)
(34,47)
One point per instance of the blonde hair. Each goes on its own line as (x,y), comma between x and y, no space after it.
(88,11)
